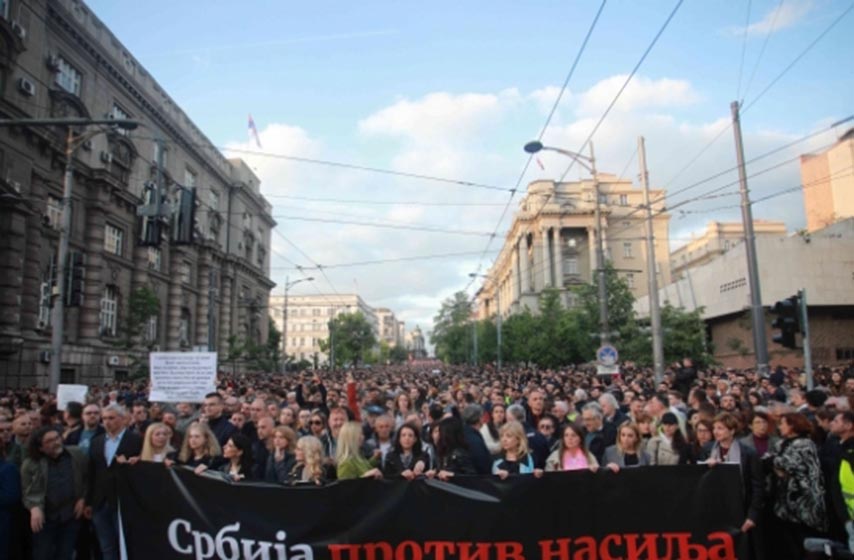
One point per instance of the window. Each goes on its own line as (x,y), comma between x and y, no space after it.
(54,212)
(4,9)
(624,200)
(213,197)
(155,258)
(109,305)
(213,229)
(151,329)
(571,266)
(44,303)
(627,250)
(630,281)
(845,354)
(67,77)
(156,154)
(189,179)
(119,113)
(113,240)
(68,375)
(184,328)
(261,256)
(187,273)
(603,198)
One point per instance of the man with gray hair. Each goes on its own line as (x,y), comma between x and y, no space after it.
(597,435)
(611,412)
(117,445)
(472,420)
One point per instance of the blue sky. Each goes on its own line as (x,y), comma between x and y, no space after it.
(456,88)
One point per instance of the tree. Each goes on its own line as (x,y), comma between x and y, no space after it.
(267,356)
(451,334)
(398,354)
(352,337)
(621,314)
(143,304)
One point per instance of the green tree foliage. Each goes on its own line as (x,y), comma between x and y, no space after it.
(142,305)
(452,334)
(621,315)
(398,354)
(684,336)
(264,357)
(352,338)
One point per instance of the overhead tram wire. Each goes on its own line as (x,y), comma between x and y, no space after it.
(426,228)
(381,202)
(764,46)
(625,84)
(743,50)
(386,261)
(543,130)
(613,102)
(773,82)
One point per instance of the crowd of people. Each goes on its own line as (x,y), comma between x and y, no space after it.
(795,448)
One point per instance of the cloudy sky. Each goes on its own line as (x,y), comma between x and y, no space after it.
(453,90)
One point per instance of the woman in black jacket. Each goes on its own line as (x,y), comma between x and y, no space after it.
(282,459)
(406,458)
(452,454)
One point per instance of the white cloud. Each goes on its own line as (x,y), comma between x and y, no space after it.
(641,93)
(781,16)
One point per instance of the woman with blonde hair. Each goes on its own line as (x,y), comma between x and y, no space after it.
(309,467)
(348,454)
(627,451)
(200,447)
(155,445)
(514,457)
(282,459)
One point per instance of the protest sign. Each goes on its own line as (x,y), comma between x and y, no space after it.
(182,376)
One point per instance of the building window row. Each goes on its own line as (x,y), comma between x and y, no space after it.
(109,311)
(113,240)
(67,76)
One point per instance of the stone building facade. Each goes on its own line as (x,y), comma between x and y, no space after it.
(828,183)
(552,243)
(58,60)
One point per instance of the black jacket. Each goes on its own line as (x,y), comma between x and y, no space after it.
(458,461)
(74,437)
(102,479)
(279,471)
(393,465)
(477,449)
(222,429)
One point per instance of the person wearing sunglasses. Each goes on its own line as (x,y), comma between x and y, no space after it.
(547,426)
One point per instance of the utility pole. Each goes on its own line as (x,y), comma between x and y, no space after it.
(605,329)
(71,145)
(757,312)
(285,329)
(805,331)
(654,307)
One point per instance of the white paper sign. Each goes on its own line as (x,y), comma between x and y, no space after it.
(182,376)
(70,393)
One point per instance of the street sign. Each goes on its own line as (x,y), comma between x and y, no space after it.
(607,370)
(607,355)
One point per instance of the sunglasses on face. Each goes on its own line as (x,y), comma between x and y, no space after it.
(316,422)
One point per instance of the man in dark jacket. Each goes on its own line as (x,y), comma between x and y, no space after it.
(685,377)
(472,420)
(537,442)
(841,510)
(106,452)
(217,422)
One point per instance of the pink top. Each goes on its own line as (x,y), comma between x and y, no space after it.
(574,461)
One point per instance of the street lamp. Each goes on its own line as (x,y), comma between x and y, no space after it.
(589,163)
(497,316)
(288,286)
(72,142)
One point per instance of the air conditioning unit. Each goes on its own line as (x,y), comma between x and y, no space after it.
(87,145)
(19,30)
(113,360)
(44,356)
(26,87)
(106,157)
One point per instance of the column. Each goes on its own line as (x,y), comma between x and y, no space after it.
(94,282)
(523,269)
(203,299)
(32,270)
(546,264)
(13,228)
(174,299)
(557,258)
(517,284)
(224,309)
(591,242)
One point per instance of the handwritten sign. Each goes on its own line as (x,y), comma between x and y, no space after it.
(182,376)
(70,393)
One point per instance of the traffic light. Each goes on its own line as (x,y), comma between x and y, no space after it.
(75,276)
(788,313)
(150,225)
(184,218)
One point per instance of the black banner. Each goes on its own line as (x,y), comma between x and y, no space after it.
(643,513)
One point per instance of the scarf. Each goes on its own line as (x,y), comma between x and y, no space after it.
(734,455)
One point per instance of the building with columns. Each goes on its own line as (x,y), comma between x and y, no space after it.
(552,243)
(58,60)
